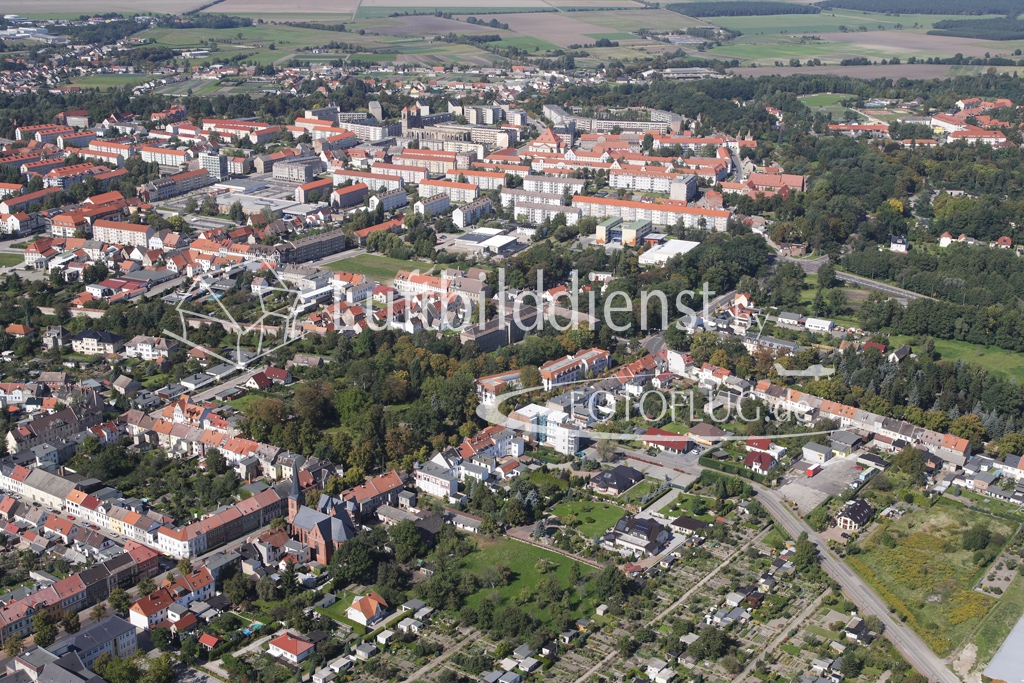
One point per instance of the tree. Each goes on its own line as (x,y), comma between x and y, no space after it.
(209,206)
(189,653)
(161,637)
(146,586)
(13,646)
(70,622)
(191,205)
(119,601)
(118,670)
(266,590)
(827,276)
(711,644)
(185,566)
(237,589)
(99,612)
(406,539)
(160,670)
(237,213)
(44,627)
(976,538)
(216,463)
(515,513)
(806,554)
(289,580)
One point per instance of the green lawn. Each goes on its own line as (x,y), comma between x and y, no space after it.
(828,21)
(372,12)
(1000,621)
(604,515)
(522,559)
(928,577)
(683,505)
(7,260)
(636,494)
(377,267)
(824,99)
(108,81)
(242,402)
(999,362)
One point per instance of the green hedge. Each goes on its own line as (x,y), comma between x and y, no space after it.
(731,468)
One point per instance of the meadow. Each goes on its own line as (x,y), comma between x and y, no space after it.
(999,362)
(523,560)
(926,575)
(595,517)
(379,268)
(108,81)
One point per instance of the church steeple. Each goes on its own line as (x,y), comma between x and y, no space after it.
(294,497)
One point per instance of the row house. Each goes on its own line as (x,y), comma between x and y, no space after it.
(573,367)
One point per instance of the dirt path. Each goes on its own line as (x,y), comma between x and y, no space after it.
(603,664)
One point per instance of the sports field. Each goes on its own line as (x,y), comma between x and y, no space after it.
(108,81)
(379,268)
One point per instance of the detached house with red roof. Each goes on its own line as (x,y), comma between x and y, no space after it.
(290,647)
(368,609)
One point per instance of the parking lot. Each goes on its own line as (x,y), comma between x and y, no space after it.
(809,492)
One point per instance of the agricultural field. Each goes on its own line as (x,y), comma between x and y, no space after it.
(919,566)
(829,21)
(634,20)
(561,29)
(59,9)
(300,10)
(255,39)
(523,559)
(595,517)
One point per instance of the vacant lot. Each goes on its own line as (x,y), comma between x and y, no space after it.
(523,559)
(594,517)
(927,575)
(377,267)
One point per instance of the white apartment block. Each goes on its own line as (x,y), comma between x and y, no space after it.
(553,185)
(164,156)
(458,192)
(116,232)
(375,181)
(410,174)
(538,213)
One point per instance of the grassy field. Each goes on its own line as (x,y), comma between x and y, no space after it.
(369,12)
(683,505)
(377,267)
(255,40)
(612,36)
(999,622)
(824,99)
(604,515)
(999,362)
(928,577)
(8,260)
(525,43)
(108,81)
(522,559)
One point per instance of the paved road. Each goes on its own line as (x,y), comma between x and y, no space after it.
(813,265)
(906,641)
(902,295)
